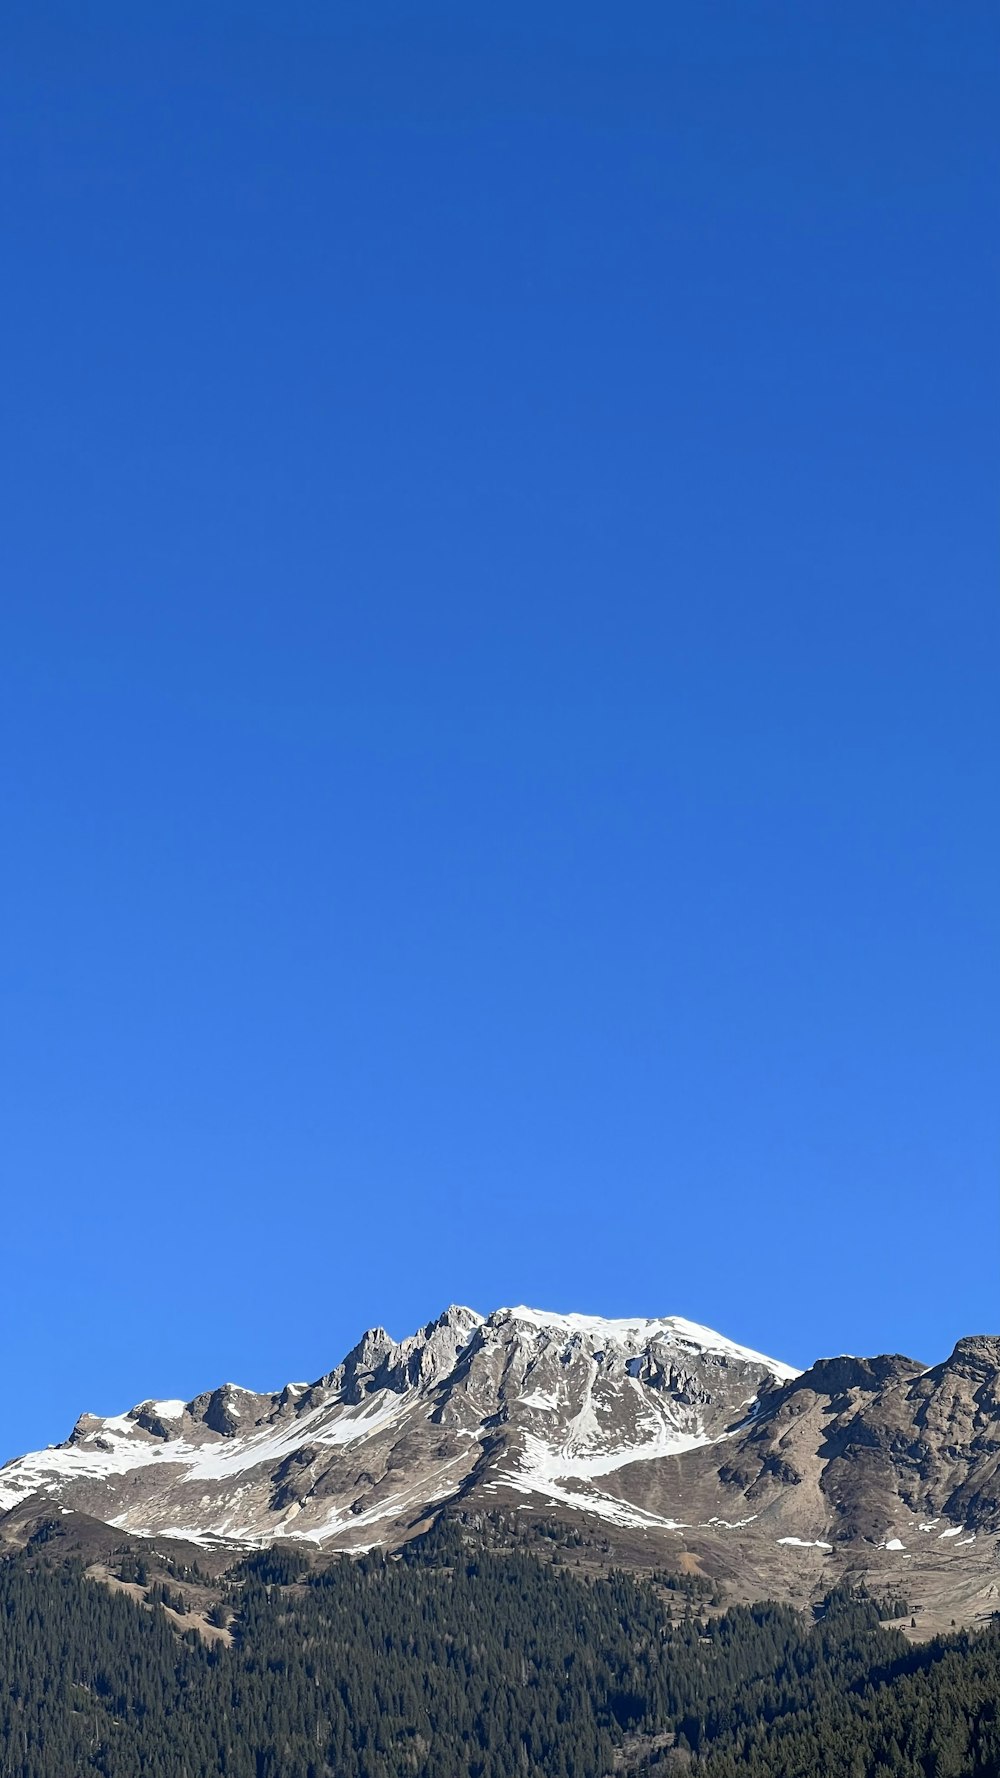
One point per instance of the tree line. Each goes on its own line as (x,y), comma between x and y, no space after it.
(460,1660)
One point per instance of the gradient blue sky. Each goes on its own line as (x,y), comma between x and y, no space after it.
(501,624)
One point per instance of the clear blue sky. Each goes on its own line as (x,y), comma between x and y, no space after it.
(500,640)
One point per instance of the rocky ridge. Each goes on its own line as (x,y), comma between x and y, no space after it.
(657,1430)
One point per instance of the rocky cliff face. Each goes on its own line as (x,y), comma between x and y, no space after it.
(874,1445)
(651,1428)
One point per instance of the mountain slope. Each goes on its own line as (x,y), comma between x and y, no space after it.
(465,1661)
(882,1447)
(660,1435)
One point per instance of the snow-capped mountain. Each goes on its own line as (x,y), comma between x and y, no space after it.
(658,1434)
(539,1406)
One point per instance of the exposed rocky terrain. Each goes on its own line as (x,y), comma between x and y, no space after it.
(677,1444)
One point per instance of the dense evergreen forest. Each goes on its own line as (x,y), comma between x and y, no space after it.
(469,1662)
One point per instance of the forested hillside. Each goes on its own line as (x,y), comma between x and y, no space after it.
(469,1662)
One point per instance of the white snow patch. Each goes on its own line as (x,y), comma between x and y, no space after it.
(955,1531)
(186,1533)
(592,1500)
(673,1329)
(802,1543)
(541,1464)
(539,1399)
(894,1543)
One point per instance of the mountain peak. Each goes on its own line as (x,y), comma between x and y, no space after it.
(673,1330)
(979,1350)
